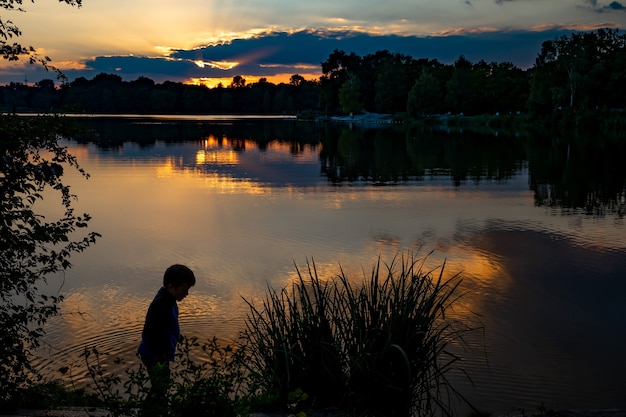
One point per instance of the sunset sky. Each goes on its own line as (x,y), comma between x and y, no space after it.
(214,40)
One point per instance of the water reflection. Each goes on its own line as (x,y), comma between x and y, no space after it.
(241,202)
(572,173)
(391,156)
(581,172)
(563,303)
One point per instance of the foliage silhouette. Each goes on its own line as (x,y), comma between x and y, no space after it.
(583,71)
(32,248)
(377,348)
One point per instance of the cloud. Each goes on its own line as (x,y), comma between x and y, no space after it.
(282,49)
(616,6)
(613,6)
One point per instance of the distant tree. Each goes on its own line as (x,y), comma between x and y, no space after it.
(296,80)
(541,100)
(370,71)
(226,102)
(267,102)
(289,105)
(350,96)
(80,95)
(574,72)
(338,62)
(138,94)
(45,97)
(391,85)
(252,102)
(45,84)
(279,102)
(505,88)
(480,101)
(193,99)
(460,91)
(334,73)
(425,96)
(238,82)
(105,80)
(616,84)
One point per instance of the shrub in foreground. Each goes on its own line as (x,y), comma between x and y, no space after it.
(207,386)
(378,348)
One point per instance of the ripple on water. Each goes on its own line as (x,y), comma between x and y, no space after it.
(63,351)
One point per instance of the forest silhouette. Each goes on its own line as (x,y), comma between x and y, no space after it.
(585,71)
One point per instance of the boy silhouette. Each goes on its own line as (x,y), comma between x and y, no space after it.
(161,333)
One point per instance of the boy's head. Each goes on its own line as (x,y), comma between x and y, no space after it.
(178,279)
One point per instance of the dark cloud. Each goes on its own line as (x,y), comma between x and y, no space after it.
(613,6)
(134,66)
(291,53)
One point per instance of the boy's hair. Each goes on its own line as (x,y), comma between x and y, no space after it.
(177,275)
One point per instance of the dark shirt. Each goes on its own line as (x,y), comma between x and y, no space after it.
(161,331)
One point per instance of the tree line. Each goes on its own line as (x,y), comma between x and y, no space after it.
(582,71)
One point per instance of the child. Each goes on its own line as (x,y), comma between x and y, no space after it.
(161,331)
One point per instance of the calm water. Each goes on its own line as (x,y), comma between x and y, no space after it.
(537,233)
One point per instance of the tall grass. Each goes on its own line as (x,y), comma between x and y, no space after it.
(376,348)
(291,343)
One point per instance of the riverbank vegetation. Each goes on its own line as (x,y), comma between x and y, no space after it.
(378,346)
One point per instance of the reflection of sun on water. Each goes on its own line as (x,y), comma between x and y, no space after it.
(217,152)
(205,156)
(166,169)
(224,152)
(481,276)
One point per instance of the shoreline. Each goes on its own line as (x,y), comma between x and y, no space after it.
(100,412)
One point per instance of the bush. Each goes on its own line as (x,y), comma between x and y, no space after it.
(378,348)
(213,385)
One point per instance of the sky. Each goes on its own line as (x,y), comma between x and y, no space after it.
(211,41)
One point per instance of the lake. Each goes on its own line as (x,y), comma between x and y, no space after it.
(535,226)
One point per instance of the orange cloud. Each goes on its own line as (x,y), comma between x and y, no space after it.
(575,26)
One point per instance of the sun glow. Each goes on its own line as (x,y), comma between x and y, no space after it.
(213,82)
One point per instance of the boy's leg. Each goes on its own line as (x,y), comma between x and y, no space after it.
(159,372)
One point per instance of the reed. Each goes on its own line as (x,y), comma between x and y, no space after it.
(379,347)
(291,345)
